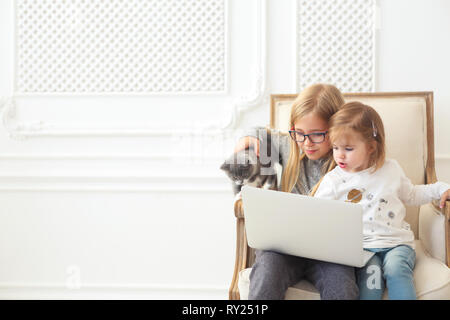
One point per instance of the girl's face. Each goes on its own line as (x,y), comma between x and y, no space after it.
(352,154)
(312,123)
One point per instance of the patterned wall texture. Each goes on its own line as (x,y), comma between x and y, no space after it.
(336,44)
(117,46)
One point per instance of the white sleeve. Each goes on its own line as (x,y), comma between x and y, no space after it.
(326,189)
(416,195)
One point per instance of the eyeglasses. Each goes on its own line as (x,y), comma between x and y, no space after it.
(316,137)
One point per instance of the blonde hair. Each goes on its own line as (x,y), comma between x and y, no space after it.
(365,121)
(323,100)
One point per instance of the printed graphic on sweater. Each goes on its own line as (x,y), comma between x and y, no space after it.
(355,195)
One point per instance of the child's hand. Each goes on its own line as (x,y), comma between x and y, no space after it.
(444,197)
(247,142)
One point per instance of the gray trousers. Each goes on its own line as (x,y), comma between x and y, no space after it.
(273,273)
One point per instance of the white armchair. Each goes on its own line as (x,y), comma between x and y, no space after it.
(408,121)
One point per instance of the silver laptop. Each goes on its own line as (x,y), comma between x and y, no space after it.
(321,229)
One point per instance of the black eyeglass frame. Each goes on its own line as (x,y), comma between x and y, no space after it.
(293,133)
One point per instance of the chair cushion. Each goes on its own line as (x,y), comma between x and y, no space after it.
(431,276)
(432,231)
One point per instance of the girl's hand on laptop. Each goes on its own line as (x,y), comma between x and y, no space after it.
(246,143)
(444,197)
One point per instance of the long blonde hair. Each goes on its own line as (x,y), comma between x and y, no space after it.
(324,100)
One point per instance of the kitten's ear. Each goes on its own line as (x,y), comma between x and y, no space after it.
(225,166)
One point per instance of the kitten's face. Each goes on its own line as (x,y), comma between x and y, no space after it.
(241,166)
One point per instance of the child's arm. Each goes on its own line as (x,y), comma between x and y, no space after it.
(417,195)
(257,138)
(326,189)
(444,197)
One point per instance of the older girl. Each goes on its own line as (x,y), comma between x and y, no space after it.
(306,156)
(364,175)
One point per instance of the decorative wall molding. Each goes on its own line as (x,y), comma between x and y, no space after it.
(336,44)
(17,129)
(21,130)
(114,46)
(169,184)
(106,178)
(259,93)
(111,156)
(136,47)
(57,189)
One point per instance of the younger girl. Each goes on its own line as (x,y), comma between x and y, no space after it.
(306,156)
(363,175)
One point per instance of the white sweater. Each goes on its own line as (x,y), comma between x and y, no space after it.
(383,194)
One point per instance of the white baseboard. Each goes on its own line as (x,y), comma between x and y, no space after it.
(111,292)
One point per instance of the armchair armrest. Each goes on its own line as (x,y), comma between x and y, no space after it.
(434,230)
(238,209)
(245,255)
(446,211)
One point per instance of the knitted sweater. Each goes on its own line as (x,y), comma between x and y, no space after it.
(311,170)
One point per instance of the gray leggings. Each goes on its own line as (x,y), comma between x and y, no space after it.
(273,273)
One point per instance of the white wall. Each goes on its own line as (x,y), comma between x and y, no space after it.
(413,51)
(97,191)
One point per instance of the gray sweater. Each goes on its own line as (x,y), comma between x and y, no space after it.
(311,171)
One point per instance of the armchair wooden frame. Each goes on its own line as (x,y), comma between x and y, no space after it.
(245,255)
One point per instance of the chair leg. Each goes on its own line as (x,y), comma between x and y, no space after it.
(447,231)
(233,293)
(241,258)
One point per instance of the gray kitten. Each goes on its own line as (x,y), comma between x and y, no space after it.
(245,168)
